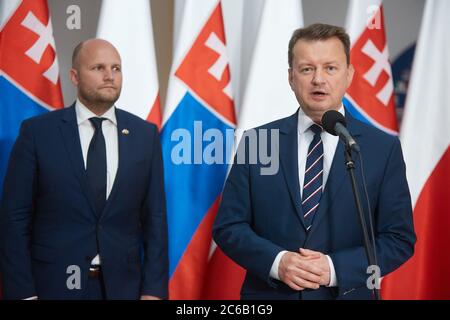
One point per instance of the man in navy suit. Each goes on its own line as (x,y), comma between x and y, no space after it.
(83,211)
(296,232)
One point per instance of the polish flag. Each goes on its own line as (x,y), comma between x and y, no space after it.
(425,137)
(268,96)
(128,26)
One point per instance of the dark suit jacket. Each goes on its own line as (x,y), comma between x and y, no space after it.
(261,215)
(48,220)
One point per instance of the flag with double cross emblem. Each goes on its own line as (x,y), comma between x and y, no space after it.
(197,140)
(370,97)
(29,72)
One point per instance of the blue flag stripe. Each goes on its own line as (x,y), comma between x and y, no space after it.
(191,188)
(15,106)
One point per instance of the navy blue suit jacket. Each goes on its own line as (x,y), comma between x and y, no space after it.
(48,221)
(261,215)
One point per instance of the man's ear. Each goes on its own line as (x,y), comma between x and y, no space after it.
(291,77)
(350,74)
(74,77)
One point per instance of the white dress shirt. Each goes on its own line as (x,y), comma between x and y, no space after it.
(330,142)
(109,128)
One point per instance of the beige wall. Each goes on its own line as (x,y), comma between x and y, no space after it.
(162,15)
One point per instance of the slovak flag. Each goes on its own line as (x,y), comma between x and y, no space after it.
(29,72)
(197,142)
(370,97)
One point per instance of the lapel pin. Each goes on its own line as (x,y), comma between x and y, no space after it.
(125,131)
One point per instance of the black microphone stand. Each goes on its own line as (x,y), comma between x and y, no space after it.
(367,244)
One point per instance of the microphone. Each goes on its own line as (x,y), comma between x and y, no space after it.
(334,123)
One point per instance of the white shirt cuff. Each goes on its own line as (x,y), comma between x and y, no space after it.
(333,279)
(31,298)
(274,270)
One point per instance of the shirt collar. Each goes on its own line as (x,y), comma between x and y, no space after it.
(83,113)
(304,122)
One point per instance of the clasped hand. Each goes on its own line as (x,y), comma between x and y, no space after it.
(305,269)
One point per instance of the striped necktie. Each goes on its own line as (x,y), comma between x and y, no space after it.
(312,184)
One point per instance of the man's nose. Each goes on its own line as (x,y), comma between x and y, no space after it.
(318,76)
(108,74)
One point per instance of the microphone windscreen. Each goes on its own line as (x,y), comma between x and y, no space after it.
(329,120)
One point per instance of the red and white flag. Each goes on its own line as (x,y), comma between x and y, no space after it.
(370,97)
(268,96)
(425,137)
(128,26)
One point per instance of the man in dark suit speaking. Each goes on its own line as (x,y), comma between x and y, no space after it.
(83,210)
(296,231)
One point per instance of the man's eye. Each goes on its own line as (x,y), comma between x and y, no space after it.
(332,68)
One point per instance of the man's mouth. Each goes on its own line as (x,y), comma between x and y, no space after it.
(319,93)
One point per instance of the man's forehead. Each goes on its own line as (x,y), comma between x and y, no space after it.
(330,49)
(98,43)
(330,42)
(100,54)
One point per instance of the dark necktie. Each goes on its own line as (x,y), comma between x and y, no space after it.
(312,184)
(96,165)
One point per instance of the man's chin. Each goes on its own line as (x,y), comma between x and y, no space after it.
(320,107)
(105,99)
(325,106)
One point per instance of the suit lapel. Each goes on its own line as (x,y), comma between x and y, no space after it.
(289,161)
(71,137)
(338,174)
(125,148)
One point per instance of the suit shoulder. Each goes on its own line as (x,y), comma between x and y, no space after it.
(279,123)
(374,134)
(135,120)
(46,118)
